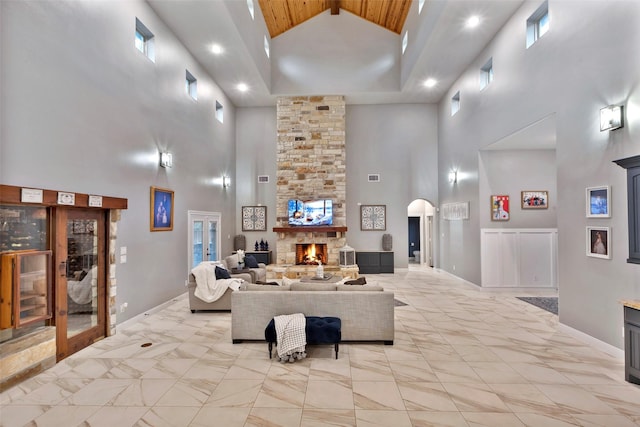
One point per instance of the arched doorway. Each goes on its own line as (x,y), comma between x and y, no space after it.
(420,221)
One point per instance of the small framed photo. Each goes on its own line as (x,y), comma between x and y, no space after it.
(500,208)
(373,217)
(161,209)
(534,199)
(254,218)
(599,242)
(599,202)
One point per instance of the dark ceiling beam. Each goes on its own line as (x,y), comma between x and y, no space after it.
(335,7)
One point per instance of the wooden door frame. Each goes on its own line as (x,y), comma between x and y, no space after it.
(59,216)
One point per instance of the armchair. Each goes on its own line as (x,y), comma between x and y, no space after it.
(259,273)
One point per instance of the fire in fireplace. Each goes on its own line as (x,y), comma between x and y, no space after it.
(311,253)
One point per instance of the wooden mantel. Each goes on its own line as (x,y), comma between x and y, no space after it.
(310,229)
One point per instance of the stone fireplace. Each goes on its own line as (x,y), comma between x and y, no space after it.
(311,165)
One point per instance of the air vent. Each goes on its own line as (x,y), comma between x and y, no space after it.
(373,177)
(263,179)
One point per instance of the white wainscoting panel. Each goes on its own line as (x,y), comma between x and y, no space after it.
(517,257)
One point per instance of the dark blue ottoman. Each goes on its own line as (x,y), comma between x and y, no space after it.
(319,330)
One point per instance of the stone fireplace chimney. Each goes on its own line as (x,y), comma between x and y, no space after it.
(311,165)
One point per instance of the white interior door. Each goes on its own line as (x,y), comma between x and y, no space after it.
(204,237)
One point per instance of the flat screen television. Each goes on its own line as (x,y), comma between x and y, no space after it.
(310,212)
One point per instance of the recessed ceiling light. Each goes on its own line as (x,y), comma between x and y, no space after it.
(216,49)
(430,82)
(473,21)
(242,87)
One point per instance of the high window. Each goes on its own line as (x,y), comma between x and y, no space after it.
(191,85)
(144,41)
(538,24)
(405,41)
(250,6)
(420,6)
(266,46)
(219,112)
(455,103)
(486,74)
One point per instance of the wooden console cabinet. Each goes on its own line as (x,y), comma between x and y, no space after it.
(260,256)
(25,288)
(374,262)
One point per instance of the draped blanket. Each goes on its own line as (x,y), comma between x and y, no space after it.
(291,337)
(208,288)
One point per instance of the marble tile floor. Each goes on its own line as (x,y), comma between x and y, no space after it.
(462,357)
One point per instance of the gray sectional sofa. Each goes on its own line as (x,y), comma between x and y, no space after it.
(367,312)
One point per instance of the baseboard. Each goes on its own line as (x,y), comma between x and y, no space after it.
(593,342)
(130,322)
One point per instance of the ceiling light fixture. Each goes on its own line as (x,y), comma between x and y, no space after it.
(430,82)
(242,87)
(216,49)
(473,21)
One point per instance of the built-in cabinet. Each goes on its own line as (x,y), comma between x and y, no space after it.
(25,288)
(632,344)
(374,262)
(519,257)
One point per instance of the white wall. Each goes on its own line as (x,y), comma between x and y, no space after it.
(84,111)
(511,171)
(580,65)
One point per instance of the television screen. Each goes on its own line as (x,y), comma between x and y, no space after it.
(311,212)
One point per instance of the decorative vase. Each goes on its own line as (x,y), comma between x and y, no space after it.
(257,245)
(387,242)
(266,245)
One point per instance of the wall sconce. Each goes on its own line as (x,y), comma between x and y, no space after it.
(226,181)
(611,118)
(166,160)
(453,177)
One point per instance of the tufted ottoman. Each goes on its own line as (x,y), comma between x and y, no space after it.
(319,330)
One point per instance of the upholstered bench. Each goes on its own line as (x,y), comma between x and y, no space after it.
(319,330)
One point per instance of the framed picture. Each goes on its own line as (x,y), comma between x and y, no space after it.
(500,208)
(599,242)
(373,217)
(599,202)
(534,199)
(254,218)
(161,209)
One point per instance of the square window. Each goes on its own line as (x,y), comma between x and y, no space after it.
(144,41)
(219,112)
(538,24)
(486,74)
(455,103)
(191,85)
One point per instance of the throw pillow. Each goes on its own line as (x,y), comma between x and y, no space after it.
(250,261)
(221,273)
(358,281)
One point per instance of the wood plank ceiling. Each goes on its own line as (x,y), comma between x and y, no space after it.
(282,15)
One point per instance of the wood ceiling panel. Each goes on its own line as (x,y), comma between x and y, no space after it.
(282,15)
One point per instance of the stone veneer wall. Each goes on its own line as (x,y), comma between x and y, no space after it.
(311,165)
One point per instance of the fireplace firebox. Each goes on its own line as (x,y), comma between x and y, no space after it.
(311,253)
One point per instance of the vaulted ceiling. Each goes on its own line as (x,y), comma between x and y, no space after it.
(283,15)
(314,52)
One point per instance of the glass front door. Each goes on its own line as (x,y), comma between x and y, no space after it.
(204,237)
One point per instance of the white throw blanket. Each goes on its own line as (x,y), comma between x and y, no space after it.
(291,336)
(208,289)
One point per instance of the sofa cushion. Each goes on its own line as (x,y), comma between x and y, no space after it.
(298,286)
(221,273)
(250,261)
(287,281)
(359,288)
(254,287)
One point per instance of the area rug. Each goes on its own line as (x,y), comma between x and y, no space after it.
(398,303)
(546,303)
